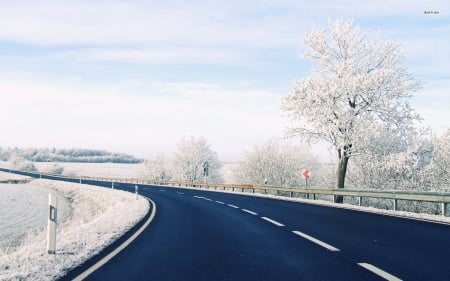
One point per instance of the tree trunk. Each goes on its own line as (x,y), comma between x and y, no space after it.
(341,172)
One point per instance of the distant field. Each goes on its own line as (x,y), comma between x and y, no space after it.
(96,169)
(115,170)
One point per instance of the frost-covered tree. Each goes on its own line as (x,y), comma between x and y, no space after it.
(189,158)
(57,169)
(393,161)
(355,84)
(19,163)
(159,168)
(438,171)
(274,164)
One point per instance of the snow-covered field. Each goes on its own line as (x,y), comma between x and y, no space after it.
(24,209)
(114,170)
(90,218)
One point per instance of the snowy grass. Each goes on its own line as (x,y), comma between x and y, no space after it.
(109,170)
(7,176)
(97,217)
(24,209)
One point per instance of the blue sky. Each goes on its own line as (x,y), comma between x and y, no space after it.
(136,76)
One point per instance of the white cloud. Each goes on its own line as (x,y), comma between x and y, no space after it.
(43,113)
(133,115)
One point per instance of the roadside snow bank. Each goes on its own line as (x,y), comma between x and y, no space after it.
(98,217)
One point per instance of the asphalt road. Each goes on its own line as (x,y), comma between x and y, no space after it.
(201,235)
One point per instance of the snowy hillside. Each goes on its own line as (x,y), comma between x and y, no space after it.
(90,219)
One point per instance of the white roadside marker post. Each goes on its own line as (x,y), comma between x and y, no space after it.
(112,185)
(136,190)
(51,225)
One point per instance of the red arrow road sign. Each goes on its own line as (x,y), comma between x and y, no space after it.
(306,174)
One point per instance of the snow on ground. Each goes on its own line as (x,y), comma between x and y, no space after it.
(111,170)
(24,209)
(114,170)
(7,176)
(93,219)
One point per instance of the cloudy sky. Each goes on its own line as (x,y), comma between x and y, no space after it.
(136,76)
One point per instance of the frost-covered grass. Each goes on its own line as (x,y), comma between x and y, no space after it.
(114,170)
(97,217)
(7,176)
(24,209)
(111,170)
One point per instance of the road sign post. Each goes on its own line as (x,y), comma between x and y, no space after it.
(51,225)
(306,174)
(206,170)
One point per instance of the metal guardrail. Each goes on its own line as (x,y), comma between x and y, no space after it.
(395,195)
(443,198)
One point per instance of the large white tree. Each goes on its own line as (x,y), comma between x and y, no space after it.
(355,84)
(275,164)
(190,157)
(159,168)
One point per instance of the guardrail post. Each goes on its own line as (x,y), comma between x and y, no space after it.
(51,225)
(395,204)
(136,191)
(444,209)
(112,185)
(360,201)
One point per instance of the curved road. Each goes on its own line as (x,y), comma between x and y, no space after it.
(201,235)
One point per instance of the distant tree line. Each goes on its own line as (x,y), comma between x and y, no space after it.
(66,155)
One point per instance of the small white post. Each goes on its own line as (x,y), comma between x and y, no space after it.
(136,190)
(51,225)
(395,205)
(444,209)
(80,180)
(112,185)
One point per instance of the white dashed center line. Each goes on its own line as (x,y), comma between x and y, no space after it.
(272,221)
(181,193)
(317,241)
(233,206)
(198,197)
(379,272)
(207,199)
(219,202)
(250,212)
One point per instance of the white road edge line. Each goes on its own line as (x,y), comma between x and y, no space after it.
(317,241)
(379,272)
(272,221)
(233,206)
(219,202)
(250,212)
(122,246)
